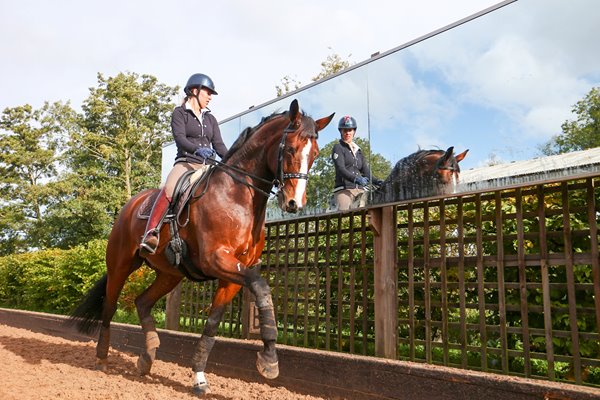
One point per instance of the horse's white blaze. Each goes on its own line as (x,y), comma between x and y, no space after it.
(199,379)
(301,183)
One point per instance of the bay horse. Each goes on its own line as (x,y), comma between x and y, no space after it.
(224,237)
(423,173)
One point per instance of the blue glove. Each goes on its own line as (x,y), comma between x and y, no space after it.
(361,181)
(204,152)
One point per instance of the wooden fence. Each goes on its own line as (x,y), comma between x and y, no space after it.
(504,281)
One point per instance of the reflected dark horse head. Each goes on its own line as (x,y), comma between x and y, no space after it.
(422,174)
(224,239)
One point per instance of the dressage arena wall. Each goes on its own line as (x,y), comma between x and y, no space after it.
(504,281)
(321,373)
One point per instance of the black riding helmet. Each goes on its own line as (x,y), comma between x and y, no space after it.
(199,80)
(347,122)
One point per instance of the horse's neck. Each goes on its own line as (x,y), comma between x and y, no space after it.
(252,158)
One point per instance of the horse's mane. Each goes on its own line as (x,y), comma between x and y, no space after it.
(249,131)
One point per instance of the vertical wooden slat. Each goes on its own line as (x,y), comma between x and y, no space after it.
(547,305)
(411,282)
(352,281)
(365,283)
(296,271)
(461,283)
(523,282)
(500,274)
(285,287)
(569,264)
(444,278)
(328,286)
(317,282)
(306,280)
(591,204)
(427,294)
(340,282)
(480,282)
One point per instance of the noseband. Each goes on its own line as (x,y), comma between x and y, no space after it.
(281,176)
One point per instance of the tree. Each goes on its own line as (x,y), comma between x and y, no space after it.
(115,153)
(322,173)
(581,133)
(332,65)
(30,150)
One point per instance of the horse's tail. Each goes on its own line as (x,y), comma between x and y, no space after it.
(86,317)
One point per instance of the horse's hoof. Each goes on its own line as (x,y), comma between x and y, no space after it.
(101,364)
(144,363)
(201,389)
(267,369)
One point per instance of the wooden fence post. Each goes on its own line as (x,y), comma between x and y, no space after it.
(383,224)
(172,308)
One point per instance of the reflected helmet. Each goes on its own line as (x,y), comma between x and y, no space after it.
(347,122)
(199,80)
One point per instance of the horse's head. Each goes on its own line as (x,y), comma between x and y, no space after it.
(443,167)
(297,150)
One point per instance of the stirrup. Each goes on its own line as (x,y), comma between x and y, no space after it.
(145,247)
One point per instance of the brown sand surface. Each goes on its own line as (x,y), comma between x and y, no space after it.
(38,366)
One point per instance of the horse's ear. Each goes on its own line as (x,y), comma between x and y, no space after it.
(294,111)
(461,156)
(447,155)
(323,122)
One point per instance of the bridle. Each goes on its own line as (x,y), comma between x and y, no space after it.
(281,176)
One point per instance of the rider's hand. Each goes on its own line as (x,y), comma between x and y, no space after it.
(204,152)
(377,182)
(361,181)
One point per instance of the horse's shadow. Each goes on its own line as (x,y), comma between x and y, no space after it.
(81,355)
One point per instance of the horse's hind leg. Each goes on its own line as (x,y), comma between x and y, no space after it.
(162,285)
(223,296)
(117,273)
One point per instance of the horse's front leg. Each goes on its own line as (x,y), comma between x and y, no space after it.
(266,362)
(226,267)
(223,296)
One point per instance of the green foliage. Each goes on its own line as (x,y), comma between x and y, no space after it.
(31,142)
(581,133)
(64,175)
(333,64)
(55,280)
(50,280)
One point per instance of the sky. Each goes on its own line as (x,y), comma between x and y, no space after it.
(53,51)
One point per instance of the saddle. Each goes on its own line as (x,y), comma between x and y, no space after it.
(187,190)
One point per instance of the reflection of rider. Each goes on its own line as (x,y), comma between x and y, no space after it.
(196,132)
(351,169)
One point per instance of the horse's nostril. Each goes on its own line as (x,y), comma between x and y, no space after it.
(292,206)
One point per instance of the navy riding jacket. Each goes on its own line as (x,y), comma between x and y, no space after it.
(189,133)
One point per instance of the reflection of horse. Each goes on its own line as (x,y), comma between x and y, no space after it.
(421,174)
(224,239)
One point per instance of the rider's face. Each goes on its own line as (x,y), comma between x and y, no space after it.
(204,97)
(347,135)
